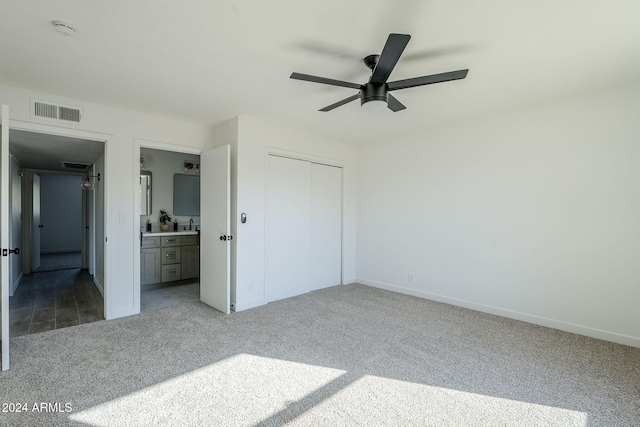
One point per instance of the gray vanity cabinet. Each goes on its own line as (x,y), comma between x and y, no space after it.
(169,258)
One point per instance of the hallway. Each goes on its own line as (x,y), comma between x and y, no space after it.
(53,300)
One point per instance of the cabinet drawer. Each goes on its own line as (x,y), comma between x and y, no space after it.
(190,239)
(150,242)
(171,255)
(171,241)
(170,272)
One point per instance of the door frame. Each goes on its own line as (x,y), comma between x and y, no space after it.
(5,264)
(106,139)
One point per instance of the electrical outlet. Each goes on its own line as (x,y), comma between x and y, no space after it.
(411,278)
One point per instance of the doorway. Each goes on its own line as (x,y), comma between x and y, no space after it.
(215,226)
(169,260)
(52,287)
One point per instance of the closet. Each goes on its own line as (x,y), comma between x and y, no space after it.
(304,227)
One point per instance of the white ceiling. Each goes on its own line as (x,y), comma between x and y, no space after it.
(208,61)
(47,152)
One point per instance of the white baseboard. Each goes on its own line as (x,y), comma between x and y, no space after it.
(249,304)
(98,285)
(15,284)
(59,251)
(529,318)
(349,280)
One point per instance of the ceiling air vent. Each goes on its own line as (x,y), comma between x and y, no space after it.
(49,110)
(76,165)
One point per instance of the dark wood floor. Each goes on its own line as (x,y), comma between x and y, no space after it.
(53,300)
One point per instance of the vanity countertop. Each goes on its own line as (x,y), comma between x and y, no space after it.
(172,233)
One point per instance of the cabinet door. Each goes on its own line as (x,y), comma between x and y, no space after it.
(190,261)
(150,266)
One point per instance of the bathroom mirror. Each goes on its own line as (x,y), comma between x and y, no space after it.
(186,194)
(145,193)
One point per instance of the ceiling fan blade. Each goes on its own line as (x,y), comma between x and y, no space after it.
(324,80)
(427,80)
(389,57)
(393,104)
(339,103)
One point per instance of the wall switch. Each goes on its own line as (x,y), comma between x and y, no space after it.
(411,278)
(123,218)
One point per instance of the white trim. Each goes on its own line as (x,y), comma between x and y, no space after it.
(524,317)
(98,285)
(246,305)
(272,151)
(15,284)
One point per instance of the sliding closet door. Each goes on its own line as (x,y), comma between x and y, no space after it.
(288,228)
(326,226)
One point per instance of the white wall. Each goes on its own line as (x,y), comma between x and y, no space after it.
(255,138)
(531,215)
(60,212)
(163,165)
(119,128)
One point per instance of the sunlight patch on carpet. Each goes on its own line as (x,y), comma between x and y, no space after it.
(240,390)
(371,399)
(249,390)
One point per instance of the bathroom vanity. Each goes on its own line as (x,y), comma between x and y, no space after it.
(169,256)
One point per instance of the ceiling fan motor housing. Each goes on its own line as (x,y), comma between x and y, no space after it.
(373,92)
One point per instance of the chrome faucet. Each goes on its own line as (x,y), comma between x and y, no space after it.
(191,224)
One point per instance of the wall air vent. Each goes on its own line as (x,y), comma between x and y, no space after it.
(76,166)
(53,111)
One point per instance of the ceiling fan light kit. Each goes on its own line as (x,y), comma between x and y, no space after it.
(374,95)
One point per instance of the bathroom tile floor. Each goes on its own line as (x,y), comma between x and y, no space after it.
(53,300)
(163,295)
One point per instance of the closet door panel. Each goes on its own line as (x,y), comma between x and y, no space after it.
(326,226)
(288,228)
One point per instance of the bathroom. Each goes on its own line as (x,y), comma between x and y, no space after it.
(169,252)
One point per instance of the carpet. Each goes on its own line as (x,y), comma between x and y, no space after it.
(342,356)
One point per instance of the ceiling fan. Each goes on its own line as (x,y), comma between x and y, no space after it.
(374,95)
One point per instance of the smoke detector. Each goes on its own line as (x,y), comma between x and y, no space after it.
(64,28)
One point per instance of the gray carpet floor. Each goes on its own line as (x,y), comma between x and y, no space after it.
(347,355)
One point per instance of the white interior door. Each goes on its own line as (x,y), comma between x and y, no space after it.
(288,228)
(36,226)
(4,238)
(326,226)
(215,226)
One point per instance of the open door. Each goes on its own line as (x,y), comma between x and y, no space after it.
(215,226)
(4,237)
